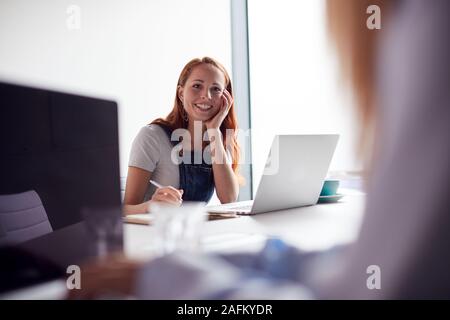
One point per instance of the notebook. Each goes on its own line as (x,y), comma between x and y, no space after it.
(148,218)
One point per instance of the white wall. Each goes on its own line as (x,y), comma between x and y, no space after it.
(130,51)
(294,80)
(133,51)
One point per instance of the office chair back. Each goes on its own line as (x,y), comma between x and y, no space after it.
(22,218)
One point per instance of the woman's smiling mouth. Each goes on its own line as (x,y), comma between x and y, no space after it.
(203,107)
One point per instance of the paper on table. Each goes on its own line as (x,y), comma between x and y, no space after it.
(142,218)
(147,218)
(219,216)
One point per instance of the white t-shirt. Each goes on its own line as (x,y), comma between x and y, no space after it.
(151,151)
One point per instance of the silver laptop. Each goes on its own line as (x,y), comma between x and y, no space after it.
(293,176)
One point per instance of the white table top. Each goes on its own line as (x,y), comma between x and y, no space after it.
(309,228)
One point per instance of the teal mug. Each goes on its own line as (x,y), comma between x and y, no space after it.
(329,188)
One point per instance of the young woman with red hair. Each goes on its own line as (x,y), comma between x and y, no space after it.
(202,158)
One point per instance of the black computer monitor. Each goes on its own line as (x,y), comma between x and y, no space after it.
(64,147)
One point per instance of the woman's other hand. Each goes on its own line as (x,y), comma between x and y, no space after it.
(109,277)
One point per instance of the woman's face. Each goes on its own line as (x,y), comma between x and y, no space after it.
(202,92)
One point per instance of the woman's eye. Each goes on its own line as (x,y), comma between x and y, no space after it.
(196,86)
(217,90)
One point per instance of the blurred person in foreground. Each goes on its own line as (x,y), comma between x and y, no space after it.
(401,78)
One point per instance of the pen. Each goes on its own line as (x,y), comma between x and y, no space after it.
(156,184)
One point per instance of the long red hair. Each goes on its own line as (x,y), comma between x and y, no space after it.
(175,120)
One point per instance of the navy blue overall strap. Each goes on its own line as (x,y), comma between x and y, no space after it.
(196,180)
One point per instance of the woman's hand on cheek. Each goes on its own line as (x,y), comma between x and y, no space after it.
(216,121)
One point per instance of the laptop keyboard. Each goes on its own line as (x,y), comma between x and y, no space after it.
(241,207)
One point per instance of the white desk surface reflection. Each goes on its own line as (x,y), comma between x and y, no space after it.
(309,228)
